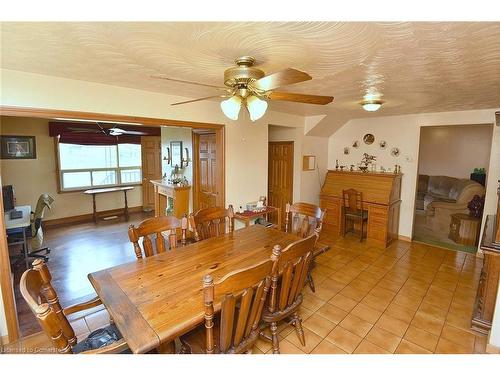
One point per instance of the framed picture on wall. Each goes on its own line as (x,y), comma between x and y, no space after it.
(17,147)
(176,150)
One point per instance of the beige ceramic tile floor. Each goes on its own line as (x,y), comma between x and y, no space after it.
(408,298)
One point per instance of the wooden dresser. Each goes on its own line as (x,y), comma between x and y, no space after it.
(488,283)
(381,198)
(170,199)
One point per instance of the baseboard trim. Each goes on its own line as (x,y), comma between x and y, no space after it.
(4,340)
(86,218)
(404,238)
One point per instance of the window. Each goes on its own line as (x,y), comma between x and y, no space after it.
(84,166)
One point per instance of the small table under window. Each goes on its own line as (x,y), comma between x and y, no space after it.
(94,192)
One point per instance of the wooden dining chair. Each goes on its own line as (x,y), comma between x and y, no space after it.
(157,226)
(287,281)
(211,222)
(304,219)
(42,299)
(352,209)
(242,295)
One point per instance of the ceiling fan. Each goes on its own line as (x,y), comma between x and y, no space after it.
(114,131)
(247,84)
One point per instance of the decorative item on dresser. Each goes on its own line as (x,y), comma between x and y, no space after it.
(381,198)
(212,222)
(488,283)
(286,288)
(304,219)
(236,328)
(171,199)
(157,225)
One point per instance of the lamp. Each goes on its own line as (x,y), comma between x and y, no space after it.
(372,105)
(256,107)
(231,107)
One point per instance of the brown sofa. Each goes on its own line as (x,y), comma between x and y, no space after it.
(442,196)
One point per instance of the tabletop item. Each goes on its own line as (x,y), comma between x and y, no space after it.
(95,192)
(156,299)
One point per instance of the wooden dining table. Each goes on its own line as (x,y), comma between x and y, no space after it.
(156,299)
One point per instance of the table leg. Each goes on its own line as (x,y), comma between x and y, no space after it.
(126,205)
(94,215)
(166,348)
(25,248)
(247,222)
(279,219)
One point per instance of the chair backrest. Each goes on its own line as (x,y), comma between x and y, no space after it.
(304,219)
(160,227)
(44,201)
(243,294)
(290,275)
(42,299)
(212,222)
(352,201)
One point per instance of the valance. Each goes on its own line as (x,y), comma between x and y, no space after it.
(83,133)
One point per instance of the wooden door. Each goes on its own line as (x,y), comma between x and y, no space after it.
(280,176)
(206,186)
(151,168)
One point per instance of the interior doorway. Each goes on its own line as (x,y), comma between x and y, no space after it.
(452,172)
(280,176)
(151,169)
(208,177)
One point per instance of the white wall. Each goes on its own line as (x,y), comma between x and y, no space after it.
(454,150)
(306,184)
(404,132)
(3,321)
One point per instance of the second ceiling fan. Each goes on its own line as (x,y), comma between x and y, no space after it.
(246,84)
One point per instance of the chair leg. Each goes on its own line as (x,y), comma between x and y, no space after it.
(274,333)
(310,281)
(361,235)
(297,322)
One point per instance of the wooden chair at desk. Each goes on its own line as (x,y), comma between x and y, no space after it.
(236,328)
(157,225)
(352,209)
(42,299)
(211,222)
(303,220)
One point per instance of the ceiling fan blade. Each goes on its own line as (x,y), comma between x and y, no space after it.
(190,82)
(117,131)
(282,78)
(200,99)
(300,98)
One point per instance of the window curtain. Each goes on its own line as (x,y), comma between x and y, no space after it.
(82,133)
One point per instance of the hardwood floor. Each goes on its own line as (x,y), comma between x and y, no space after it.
(408,298)
(76,251)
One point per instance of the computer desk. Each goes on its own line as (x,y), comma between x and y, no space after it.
(23,224)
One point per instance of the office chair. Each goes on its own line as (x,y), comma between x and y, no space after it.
(35,232)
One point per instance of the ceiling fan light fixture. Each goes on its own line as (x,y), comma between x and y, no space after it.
(231,107)
(371,105)
(256,107)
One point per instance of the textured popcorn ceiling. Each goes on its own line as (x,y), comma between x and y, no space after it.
(418,67)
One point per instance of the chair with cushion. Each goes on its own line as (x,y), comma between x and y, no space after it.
(287,282)
(242,295)
(445,196)
(353,210)
(160,227)
(42,299)
(211,222)
(304,219)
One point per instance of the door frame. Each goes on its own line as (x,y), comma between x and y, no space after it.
(46,113)
(292,174)
(220,200)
